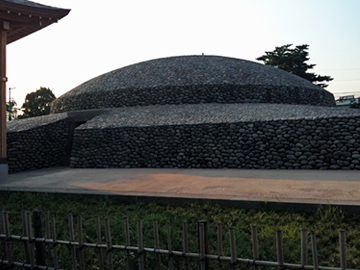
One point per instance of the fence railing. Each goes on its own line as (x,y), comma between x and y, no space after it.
(42,252)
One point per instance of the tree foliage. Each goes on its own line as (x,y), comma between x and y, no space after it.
(293,61)
(37,103)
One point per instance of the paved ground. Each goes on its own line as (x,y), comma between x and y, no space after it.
(294,186)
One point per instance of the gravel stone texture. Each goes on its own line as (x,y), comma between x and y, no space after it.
(211,113)
(192,80)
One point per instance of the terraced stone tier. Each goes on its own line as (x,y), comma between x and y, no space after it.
(192,80)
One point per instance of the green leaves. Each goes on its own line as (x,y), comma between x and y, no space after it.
(293,61)
(38,103)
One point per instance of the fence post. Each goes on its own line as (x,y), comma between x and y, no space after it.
(169,245)
(185,245)
(157,244)
(140,243)
(81,244)
(127,243)
(314,251)
(38,234)
(342,249)
(72,239)
(233,248)
(99,241)
(206,249)
(304,247)
(6,230)
(202,246)
(53,231)
(255,244)
(108,243)
(220,243)
(26,243)
(280,251)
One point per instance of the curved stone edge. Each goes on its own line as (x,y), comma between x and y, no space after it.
(182,114)
(193,94)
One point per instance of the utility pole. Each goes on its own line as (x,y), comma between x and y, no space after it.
(10,103)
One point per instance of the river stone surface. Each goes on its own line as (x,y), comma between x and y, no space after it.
(192,80)
(211,113)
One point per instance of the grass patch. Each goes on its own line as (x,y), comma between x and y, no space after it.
(325,221)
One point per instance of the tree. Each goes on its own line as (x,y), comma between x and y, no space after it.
(293,61)
(37,103)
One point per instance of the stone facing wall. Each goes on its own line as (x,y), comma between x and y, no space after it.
(38,146)
(324,143)
(194,95)
(192,80)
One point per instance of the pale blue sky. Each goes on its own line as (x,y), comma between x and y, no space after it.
(99,36)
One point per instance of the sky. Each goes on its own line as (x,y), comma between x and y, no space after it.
(100,36)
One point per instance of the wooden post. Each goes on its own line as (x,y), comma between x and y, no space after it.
(39,247)
(255,245)
(141,255)
(220,247)
(169,246)
(98,234)
(185,245)
(233,248)
(72,239)
(304,247)
(3,79)
(157,245)
(108,243)
(314,251)
(342,249)
(127,243)
(280,250)
(204,222)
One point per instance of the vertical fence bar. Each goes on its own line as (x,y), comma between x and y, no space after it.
(157,245)
(233,248)
(127,243)
(26,243)
(72,239)
(170,258)
(30,239)
(54,245)
(81,244)
(39,247)
(50,259)
(141,255)
(6,229)
(99,241)
(342,239)
(185,245)
(202,246)
(314,251)
(205,240)
(304,246)
(280,250)
(220,245)
(108,243)
(255,246)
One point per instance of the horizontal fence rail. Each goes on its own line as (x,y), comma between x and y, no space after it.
(42,252)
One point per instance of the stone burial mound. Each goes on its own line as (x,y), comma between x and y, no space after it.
(195,112)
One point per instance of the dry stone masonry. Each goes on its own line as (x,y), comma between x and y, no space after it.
(240,136)
(192,80)
(191,112)
(37,142)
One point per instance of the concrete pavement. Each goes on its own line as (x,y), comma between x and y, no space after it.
(285,186)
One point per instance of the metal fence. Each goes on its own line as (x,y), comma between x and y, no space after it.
(41,251)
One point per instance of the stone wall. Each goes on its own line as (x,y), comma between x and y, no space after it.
(38,142)
(195,94)
(322,143)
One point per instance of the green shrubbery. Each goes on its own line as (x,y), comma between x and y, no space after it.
(325,221)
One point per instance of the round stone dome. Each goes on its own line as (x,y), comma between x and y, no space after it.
(192,80)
